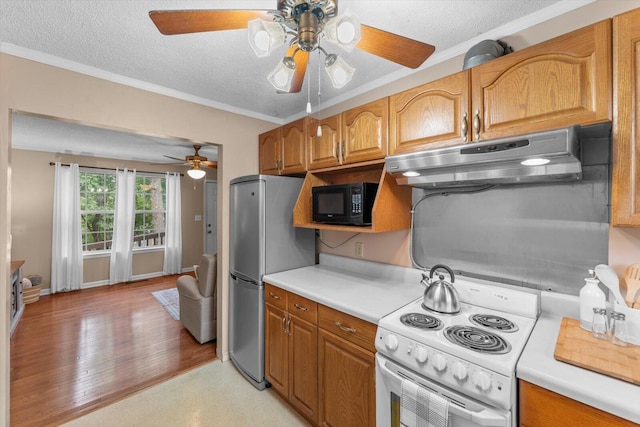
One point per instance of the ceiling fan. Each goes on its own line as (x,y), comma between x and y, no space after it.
(306,21)
(195,161)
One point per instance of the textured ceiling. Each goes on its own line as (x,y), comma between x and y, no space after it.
(117,40)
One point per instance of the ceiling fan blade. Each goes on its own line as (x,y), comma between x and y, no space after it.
(171,22)
(209,164)
(401,50)
(302,59)
(164,164)
(174,158)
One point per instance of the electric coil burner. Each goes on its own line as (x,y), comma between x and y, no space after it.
(493,322)
(477,339)
(421,320)
(468,358)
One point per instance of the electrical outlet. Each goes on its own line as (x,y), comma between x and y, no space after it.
(359,249)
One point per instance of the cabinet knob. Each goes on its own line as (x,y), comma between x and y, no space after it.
(299,307)
(464,128)
(476,124)
(345,328)
(274,296)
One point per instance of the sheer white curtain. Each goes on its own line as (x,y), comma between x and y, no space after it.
(123,221)
(66,248)
(173,226)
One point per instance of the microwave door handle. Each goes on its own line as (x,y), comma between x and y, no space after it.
(484,417)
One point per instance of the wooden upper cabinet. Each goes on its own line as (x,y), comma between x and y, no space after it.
(294,148)
(283,151)
(433,115)
(625,196)
(563,81)
(365,132)
(270,152)
(324,151)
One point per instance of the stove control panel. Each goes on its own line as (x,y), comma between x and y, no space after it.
(448,370)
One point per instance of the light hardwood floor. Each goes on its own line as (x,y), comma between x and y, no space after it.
(78,351)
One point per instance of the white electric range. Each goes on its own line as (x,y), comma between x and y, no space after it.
(468,358)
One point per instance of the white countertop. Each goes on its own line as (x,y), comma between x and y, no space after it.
(538,366)
(364,289)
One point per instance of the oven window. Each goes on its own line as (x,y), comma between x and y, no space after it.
(395,410)
(330,203)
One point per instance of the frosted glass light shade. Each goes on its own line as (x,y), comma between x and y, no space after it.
(282,77)
(265,36)
(196,173)
(343,30)
(339,71)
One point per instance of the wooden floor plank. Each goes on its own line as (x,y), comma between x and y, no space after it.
(78,351)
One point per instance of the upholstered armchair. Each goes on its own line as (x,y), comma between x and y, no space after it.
(198,299)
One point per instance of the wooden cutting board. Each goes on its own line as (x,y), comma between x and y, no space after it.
(578,347)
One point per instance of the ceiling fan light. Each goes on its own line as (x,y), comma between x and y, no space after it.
(196,173)
(282,76)
(265,36)
(338,70)
(343,30)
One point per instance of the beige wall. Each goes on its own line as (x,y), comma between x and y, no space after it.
(624,243)
(31,87)
(32,210)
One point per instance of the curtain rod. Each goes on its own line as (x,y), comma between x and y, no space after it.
(109,169)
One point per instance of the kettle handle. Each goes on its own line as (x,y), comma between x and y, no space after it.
(438,266)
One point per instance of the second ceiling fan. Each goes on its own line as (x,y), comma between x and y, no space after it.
(305,21)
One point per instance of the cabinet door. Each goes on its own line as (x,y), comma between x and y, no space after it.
(543,408)
(365,132)
(560,82)
(303,367)
(625,197)
(270,152)
(276,355)
(294,147)
(435,114)
(346,383)
(324,151)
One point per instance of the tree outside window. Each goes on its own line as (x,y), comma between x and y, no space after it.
(149,226)
(97,204)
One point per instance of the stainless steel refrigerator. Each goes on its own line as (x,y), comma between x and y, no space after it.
(263,241)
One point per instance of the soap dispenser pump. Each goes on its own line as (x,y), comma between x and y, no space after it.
(591,296)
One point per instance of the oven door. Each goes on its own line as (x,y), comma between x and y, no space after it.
(463,411)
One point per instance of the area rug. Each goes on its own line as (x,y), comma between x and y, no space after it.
(168,298)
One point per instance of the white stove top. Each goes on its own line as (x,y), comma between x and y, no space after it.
(489,377)
(477,297)
(435,339)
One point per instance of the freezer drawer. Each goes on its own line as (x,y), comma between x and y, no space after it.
(246,329)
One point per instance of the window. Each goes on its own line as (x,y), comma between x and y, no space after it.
(97,205)
(150,211)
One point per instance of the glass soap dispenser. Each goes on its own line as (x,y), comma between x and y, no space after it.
(591,296)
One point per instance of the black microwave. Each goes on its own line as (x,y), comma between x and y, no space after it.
(348,204)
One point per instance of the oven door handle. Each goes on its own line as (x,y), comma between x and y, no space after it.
(484,417)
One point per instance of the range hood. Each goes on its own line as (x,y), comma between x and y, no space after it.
(539,157)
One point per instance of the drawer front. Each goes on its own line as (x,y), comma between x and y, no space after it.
(303,308)
(275,296)
(352,329)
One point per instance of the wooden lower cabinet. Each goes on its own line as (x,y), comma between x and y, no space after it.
(320,360)
(540,407)
(347,383)
(291,349)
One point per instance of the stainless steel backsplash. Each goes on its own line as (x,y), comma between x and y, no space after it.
(543,236)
